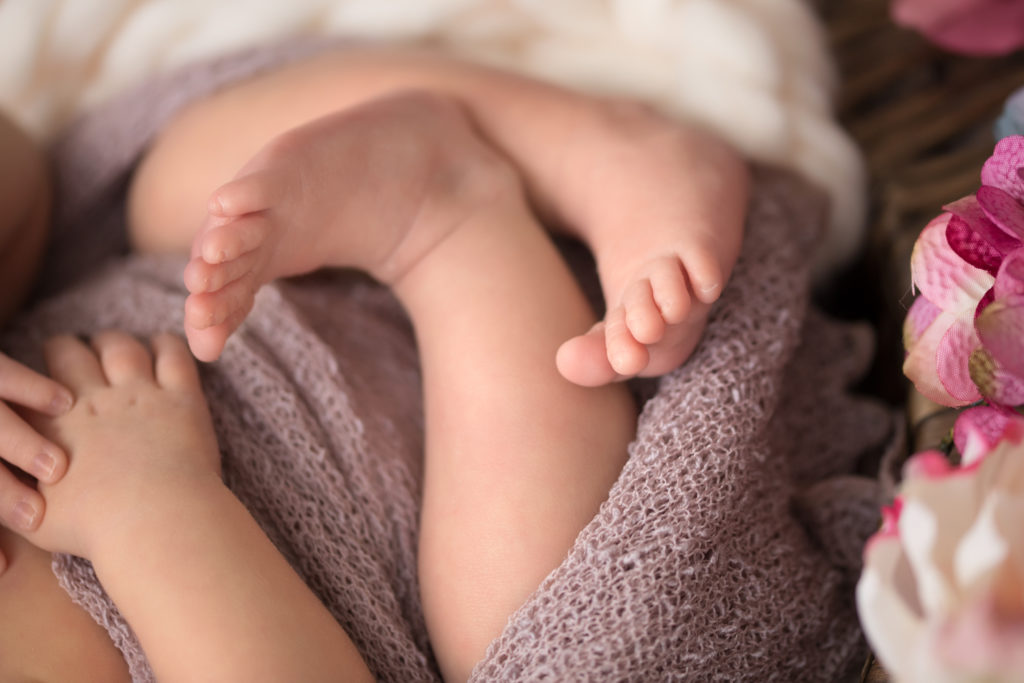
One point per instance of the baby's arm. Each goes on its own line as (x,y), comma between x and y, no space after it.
(24,212)
(205,591)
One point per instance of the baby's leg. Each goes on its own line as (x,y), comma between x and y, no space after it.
(518,459)
(363,187)
(661,205)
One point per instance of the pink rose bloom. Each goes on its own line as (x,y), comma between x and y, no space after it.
(974,27)
(965,334)
(941,596)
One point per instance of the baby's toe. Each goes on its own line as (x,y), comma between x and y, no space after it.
(201,276)
(642,315)
(669,287)
(208,309)
(208,343)
(124,359)
(626,355)
(230,240)
(706,274)
(247,194)
(173,367)
(583,360)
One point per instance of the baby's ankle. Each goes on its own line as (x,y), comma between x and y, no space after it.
(467,179)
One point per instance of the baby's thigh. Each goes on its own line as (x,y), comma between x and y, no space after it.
(44,636)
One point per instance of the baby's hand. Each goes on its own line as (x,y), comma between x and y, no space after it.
(21,506)
(140,430)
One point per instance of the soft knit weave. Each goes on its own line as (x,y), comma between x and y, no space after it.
(727,549)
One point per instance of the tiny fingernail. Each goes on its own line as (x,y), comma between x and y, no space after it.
(61,403)
(25,515)
(44,465)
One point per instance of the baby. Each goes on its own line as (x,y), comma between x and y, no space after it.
(427,174)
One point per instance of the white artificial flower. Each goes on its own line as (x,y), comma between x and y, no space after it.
(941,596)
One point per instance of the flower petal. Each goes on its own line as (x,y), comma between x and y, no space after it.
(976,246)
(953,356)
(977,431)
(1002,209)
(930,544)
(887,604)
(920,315)
(920,364)
(947,280)
(923,465)
(1010,277)
(981,27)
(981,551)
(1000,328)
(993,381)
(1002,168)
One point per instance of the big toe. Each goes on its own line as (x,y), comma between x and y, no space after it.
(248,193)
(583,360)
(206,344)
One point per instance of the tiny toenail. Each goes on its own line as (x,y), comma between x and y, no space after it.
(25,515)
(43,466)
(709,288)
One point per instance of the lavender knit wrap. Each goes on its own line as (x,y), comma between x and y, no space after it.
(727,549)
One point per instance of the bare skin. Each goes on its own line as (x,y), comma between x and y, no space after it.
(31,605)
(145,476)
(660,205)
(490,299)
(24,216)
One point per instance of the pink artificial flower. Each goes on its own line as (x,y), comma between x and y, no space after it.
(938,332)
(974,27)
(965,334)
(979,430)
(941,596)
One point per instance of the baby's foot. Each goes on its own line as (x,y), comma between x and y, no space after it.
(653,328)
(665,226)
(373,187)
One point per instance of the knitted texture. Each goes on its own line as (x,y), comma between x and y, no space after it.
(726,550)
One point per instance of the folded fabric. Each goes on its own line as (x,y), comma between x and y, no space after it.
(726,550)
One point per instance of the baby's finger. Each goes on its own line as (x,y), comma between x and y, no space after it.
(123,357)
(175,368)
(21,507)
(24,386)
(22,446)
(73,364)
